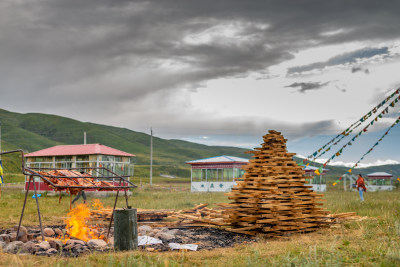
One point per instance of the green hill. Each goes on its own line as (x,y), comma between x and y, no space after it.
(34,131)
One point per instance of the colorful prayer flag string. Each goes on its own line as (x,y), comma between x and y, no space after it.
(369,151)
(340,151)
(351,128)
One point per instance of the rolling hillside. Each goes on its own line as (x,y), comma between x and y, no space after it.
(34,131)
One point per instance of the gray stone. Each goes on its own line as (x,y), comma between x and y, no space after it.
(13,247)
(111,241)
(48,232)
(166,236)
(58,232)
(75,241)
(154,232)
(174,232)
(36,248)
(22,236)
(29,247)
(5,238)
(96,243)
(21,229)
(144,229)
(2,244)
(70,246)
(51,251)
(44,245)
(56,244)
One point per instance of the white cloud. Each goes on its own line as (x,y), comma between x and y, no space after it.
(360,165)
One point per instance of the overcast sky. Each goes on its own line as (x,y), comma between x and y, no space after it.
(215,72)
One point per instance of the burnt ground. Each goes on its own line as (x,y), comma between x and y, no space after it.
(205,238)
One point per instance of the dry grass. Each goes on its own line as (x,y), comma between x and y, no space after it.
(375,241)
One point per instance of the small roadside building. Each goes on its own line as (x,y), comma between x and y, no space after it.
(380,181)
(80,156)
(216,174)
(318,182)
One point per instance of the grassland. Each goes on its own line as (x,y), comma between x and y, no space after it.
(371,242)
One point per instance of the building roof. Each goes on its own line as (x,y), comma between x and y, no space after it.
(89,149)
(380,174)
(219,159)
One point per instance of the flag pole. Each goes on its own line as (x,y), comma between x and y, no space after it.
(151,156)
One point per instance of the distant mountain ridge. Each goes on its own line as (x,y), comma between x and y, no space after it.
(35,131)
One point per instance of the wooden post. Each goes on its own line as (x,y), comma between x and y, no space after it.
(125,229)
(70,201)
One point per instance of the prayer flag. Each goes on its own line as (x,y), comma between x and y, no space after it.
(1,173)
(315,153)
(392,104)
(350,170)
(317,172)
(334,183)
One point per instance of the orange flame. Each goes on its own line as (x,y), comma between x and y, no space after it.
(97,205)
(76,224)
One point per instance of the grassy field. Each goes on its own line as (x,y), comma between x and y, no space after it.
(371,242)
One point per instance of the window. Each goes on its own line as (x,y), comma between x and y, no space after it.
(43,159)
(82,158)
(238,173)
(107,158)
(228,174)
(63,158)
(196,175)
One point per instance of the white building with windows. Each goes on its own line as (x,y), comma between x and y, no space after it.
(216,174)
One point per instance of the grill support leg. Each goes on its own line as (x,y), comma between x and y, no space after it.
(38,210)
(126,198)
(23,207)
(112,215)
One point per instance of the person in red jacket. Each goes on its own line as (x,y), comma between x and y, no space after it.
(361,186)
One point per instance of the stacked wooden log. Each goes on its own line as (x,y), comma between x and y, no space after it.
(142,214)
(273,197)
(199,215)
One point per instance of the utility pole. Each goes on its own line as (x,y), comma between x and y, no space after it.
(151,156)
(84,138)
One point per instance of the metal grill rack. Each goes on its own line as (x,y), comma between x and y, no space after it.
(72,181)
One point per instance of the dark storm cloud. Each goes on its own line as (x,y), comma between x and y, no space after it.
(350,57)
(357,69)
(107,58)
(307,86)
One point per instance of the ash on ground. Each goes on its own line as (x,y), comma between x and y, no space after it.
(205,238)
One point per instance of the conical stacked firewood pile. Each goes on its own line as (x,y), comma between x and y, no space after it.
(273,197)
